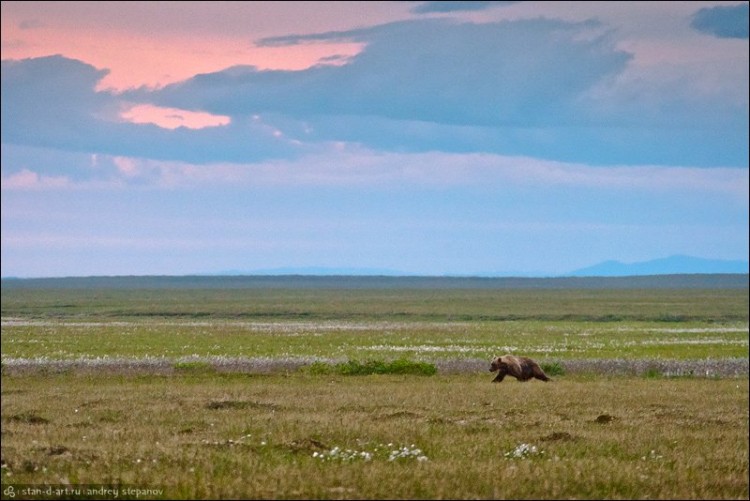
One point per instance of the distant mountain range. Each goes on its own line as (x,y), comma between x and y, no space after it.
(671,265)
(666,266)
(672,272)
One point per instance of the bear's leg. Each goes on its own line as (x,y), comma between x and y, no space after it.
(539,374)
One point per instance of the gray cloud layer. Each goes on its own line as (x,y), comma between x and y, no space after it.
(522,73)
(723,21)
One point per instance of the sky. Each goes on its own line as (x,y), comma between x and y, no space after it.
(424,138)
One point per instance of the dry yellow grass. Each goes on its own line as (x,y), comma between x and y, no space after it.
(456,436)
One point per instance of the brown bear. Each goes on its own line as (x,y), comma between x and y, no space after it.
(521,368)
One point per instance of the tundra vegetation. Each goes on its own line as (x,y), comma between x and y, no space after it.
(376,392)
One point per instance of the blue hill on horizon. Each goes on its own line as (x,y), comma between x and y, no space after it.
(672,265)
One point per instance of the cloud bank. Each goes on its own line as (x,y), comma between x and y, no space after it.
(536,87)
(428,7)
(723,21)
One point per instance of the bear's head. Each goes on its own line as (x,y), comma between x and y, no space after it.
(497,364)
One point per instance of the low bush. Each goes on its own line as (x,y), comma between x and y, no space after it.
(553,369)
(357,368)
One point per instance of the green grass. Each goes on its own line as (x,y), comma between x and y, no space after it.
(558,340)
(309,437)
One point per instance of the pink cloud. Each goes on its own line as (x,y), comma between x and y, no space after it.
(30,180)
(171,118)
(155,58)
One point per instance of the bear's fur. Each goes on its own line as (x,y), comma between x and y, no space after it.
(521,368)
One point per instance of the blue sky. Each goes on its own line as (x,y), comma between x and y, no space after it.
(423,137)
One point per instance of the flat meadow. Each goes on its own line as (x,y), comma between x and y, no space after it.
(369,390)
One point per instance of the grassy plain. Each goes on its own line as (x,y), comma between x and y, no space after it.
(198,433)
(391,304)
(374,323)
(361,437)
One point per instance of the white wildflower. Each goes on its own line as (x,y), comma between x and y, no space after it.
(522,451)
